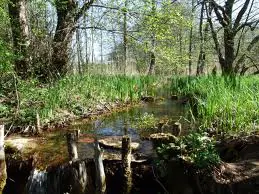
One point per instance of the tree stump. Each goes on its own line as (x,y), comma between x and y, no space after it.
(3,174)
(126,164)
(71,145)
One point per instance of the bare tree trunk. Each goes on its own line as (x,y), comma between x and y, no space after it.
(68,15)
(116,58)
(86,45)
(231,28)
(203,40)
(79,53)
(92,36)
(62,39)
(20,33)
(101,47)
(3,174)
(152,63)
(191,40)
(125,38)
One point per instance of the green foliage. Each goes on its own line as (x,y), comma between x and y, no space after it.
(76,94)
(145,121)
(222,105)
(196,148)
(6,58)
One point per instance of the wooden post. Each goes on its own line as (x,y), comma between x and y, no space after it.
(3,174)
(100,175)
(77,134)
(176,129)
(126,164)
(72,147)
(38,127)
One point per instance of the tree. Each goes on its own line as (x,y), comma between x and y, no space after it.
(68,15)
(203,32)
(152,63)
(20,35)
(232,28)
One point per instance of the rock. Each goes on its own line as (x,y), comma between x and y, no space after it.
(162,138)
(116,142)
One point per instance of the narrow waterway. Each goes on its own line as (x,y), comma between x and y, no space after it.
(50,150)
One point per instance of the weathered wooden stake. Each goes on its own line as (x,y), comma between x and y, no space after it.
(72,147)
(126,164)
(38,127)
(3,174)
(100,175)
(176,129)
(77,134)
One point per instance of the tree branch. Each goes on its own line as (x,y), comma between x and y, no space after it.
(85,7)
(213,32)
(241,14)
(251,25)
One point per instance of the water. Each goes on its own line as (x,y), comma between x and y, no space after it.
(51,148)
(115,123)
(112,127)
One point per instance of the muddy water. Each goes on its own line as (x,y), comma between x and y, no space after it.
(112,127)
(51,149)
(115,123)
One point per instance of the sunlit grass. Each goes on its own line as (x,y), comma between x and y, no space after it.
(221,105)
(77,94)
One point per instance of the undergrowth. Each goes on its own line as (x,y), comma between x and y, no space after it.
(73,94)
(195,148)
(222,105)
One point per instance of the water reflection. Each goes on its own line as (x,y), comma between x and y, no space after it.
(115,123)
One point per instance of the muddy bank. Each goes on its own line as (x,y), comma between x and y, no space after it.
(64,118)
(77,177)
(238,172)
(238,175)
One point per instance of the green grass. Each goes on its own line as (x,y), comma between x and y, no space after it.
(76,94)
(222,105)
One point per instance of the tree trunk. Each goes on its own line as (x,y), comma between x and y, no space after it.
(79,53)
(86,46)
(20,33)
(61,42)
(125,37)
(152,63)
(68,14)
(3,175)
(191,40)
(203,40)
(227,66)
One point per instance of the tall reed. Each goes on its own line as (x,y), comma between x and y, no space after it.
(222,105)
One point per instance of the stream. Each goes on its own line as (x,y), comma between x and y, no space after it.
(50,150)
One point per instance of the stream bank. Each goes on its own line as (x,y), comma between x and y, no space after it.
(237,173)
